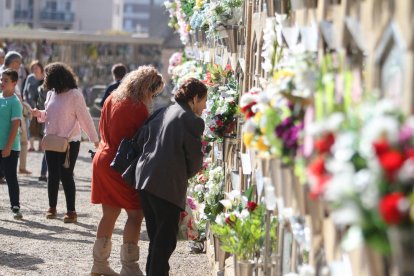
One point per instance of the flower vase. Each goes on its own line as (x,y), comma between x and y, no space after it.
(232,38)
(220,255)
(402,247)
(244,268)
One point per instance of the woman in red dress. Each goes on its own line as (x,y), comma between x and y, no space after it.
(124,112)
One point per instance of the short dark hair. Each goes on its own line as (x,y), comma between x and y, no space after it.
(190,89)
(119,71)
(13,75)
(60,77)
(10,57)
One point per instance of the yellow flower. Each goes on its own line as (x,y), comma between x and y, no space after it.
(260,145)
(188,27)
(199,4)
(257,117)
(248,138)
(282,74)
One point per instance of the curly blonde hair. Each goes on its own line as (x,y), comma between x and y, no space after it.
(139,84)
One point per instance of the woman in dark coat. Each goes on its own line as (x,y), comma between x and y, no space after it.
(171,155)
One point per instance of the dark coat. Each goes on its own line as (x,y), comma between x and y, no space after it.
(171,153)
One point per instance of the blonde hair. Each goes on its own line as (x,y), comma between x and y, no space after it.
(139,84)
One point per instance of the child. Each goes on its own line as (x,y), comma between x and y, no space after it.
(10,116)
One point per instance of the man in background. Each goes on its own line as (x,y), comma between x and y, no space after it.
(118,72)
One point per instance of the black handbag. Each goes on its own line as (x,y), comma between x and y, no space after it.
(127,151)
(129,174)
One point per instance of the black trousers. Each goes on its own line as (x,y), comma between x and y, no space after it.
(161,218)
(57,173)
(9,168)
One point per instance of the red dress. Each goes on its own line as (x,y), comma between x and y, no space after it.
(118,120)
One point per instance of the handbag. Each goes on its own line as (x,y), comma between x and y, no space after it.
(128,151)
(51,142)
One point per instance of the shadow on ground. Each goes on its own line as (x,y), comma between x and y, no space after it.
(19,261)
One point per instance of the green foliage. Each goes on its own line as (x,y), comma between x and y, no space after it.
(244,236)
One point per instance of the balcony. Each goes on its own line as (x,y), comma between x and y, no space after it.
(57,17)
(23,15)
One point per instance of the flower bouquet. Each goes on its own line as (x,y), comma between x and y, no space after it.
(222,110)
(240,229)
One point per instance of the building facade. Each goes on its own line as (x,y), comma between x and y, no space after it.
(91,16)
(6,13)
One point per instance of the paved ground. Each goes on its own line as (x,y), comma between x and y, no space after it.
(37,246)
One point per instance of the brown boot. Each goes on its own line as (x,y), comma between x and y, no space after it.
(129,260)
(101,252)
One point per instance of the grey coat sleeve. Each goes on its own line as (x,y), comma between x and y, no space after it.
(192,146)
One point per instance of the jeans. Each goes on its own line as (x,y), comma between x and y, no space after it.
(57,173)
(43,170)
(9,165)
(161,218)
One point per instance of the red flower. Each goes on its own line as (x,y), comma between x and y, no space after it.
(230,221)
(248,110)
(389,208)
(317,167)
(381,146)
(219,122)
(319,187)
(212,128)
(409,153)
(391,161)
(325,143)
(251,206)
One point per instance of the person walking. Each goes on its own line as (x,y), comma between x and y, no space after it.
(31,95)
(41,99)
(124,112)
(64,115)
(118,72)
(13,60)
(171,154)
(10,117)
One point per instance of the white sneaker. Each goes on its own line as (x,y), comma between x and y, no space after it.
(16,212)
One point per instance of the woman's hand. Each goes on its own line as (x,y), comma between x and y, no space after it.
(96,144)
(35,112)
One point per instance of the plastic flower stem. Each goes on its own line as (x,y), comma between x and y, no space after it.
(330,97)
(319,105)
(348,90)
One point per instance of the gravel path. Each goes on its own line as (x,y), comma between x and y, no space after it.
(37,246)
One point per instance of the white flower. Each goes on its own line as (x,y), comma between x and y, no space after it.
(244,214)
(347,214)
(234,195)
(226,203)
(406,173)
(220,220)
(306,270)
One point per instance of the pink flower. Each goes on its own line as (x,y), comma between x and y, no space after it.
(191,203)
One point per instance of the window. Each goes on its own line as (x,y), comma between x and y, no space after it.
(8,4)
(51,5)
(68,6)
(128,8)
